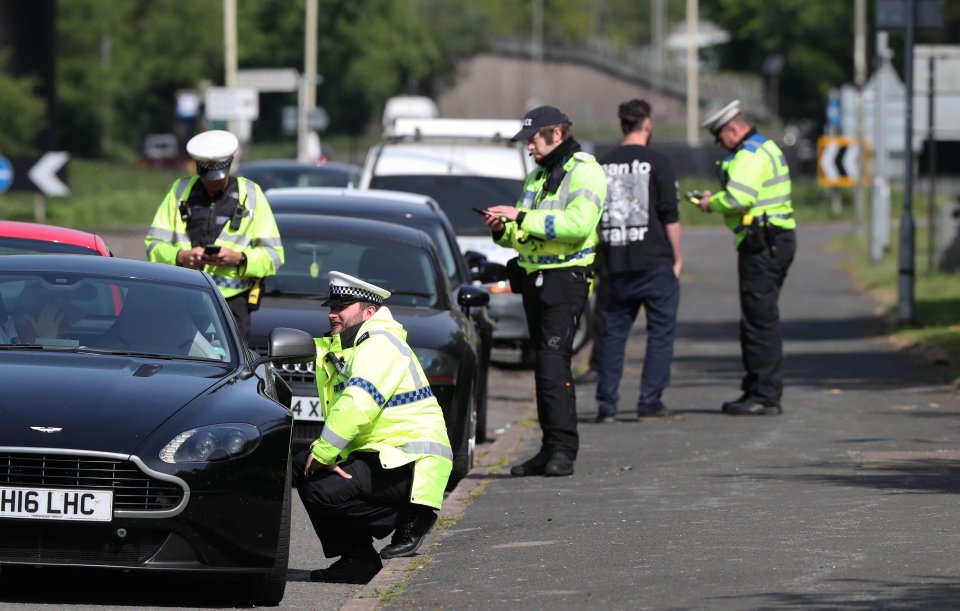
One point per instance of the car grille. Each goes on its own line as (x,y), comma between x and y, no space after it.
(307,429)
(133,490)
(68,543)
(300,372)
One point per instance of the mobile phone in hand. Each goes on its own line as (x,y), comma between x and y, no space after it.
(481,212)
(694,197)
(211,251)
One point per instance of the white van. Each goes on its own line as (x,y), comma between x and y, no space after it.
(463,164)
(410,106)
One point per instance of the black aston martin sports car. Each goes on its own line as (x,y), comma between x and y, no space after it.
(404,261)
(137,432)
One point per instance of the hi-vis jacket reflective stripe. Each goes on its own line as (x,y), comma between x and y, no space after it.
(757,182)
(559,229)
(376,398)
(257,237)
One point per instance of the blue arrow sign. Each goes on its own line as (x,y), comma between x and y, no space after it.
(6,174)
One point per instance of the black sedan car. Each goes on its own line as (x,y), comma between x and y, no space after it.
(136,430)
(290,173)
(402,260)
(424,213)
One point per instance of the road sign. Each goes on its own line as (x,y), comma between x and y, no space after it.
(44,174)
(269,79)
(838,161)
(6,174)
(317,119)
(231,103)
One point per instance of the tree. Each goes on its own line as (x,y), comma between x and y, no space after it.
(21,111)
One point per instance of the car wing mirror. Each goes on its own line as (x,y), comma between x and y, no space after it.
(472,297)
(287,346)
(489,272)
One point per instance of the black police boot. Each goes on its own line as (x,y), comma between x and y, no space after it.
(413,527)
(728,404)
(534,466)
(560,464)
(356,566)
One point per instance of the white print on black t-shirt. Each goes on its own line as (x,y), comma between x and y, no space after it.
(626,213)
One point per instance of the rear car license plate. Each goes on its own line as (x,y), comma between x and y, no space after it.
(306,408)
(54,504)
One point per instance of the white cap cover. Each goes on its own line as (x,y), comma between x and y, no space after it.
(717,120)
(213,153)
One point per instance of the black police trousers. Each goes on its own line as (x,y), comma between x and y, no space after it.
(553,311)
(348,513)
(761,276)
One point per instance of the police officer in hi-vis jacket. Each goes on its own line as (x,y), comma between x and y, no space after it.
(756,205)
(553,228)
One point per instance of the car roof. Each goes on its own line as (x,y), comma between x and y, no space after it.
(268,164)
(51,233)
(109,266)
(379,200)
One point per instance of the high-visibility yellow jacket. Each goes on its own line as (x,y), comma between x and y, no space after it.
(559,229)
(257,237)
(756,180)
(375,397)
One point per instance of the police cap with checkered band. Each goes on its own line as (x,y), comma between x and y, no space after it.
(345,289)
(213,153)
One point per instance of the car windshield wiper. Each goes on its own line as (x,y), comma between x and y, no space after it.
(412,294)
(54,348)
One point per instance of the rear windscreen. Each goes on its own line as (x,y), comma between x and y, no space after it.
(457,195)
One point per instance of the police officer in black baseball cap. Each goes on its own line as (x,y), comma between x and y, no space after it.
(537,119)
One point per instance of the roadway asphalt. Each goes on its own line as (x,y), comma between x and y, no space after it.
(847,500)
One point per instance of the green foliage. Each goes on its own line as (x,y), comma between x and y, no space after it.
(935,330)
(20,113)
(120,63)
(102,194)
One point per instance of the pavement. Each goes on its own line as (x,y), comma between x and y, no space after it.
(847,500)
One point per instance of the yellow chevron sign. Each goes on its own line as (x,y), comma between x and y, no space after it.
(838,161)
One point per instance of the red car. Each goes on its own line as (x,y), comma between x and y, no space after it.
(17,238)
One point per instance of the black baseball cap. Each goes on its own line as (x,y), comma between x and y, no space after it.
(538,118)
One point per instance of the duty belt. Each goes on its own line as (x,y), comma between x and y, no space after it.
(553,259)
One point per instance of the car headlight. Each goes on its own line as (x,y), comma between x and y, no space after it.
(441,368)
(211,443)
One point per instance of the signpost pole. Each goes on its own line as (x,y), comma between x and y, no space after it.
(905,281)
(39,208)
(860,77)
(932,168)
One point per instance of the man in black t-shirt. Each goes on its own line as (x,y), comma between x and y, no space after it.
(640,261)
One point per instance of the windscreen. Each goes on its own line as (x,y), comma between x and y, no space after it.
(457,195)
(111,314)
(406,270)
(24,246)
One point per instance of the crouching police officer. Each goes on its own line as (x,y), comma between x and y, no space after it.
(383,459)
(756,204)
(220,224)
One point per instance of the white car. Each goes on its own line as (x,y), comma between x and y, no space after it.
(463,164)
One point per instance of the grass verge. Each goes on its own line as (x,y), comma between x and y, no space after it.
(934,332)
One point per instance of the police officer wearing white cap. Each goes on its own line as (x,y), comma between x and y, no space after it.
(218,223)
(755,202)
(383,458)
